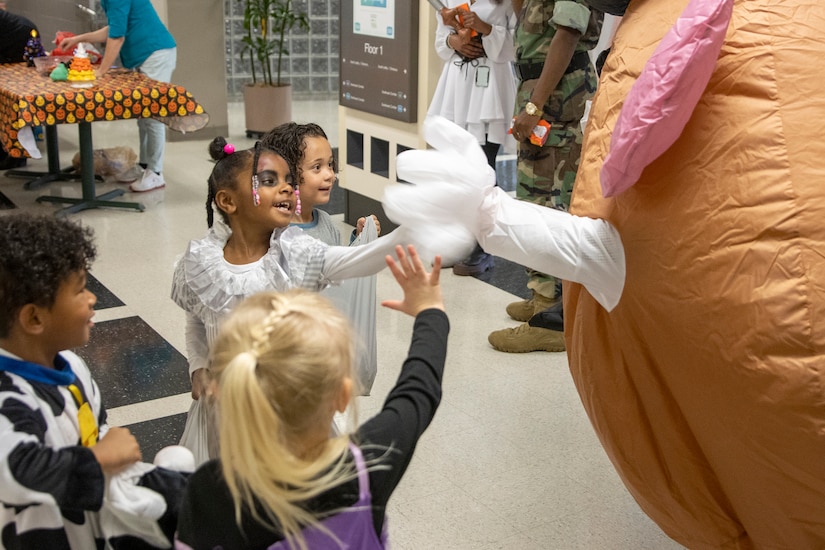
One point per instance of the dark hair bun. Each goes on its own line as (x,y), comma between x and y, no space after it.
(216,148)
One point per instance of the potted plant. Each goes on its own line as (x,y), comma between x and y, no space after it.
(267,100)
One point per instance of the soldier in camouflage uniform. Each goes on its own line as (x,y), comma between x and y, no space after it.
(556,79)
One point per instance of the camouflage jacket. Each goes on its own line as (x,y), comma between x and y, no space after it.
(537,24)
(536,27)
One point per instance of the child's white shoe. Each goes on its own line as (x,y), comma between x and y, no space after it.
(149,182)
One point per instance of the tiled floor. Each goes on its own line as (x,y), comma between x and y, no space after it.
(510,462)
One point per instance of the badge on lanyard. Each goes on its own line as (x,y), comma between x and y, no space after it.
(482,76)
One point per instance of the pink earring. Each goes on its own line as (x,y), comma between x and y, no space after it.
(297,201)
(256,198)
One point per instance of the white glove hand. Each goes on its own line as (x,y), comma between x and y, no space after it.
(441,208)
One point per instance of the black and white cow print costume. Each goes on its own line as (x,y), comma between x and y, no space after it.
(52,489)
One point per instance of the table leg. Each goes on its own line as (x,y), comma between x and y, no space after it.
(89,200)
(55,173)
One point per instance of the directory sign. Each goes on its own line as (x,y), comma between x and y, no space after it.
(374,18)
(379,65)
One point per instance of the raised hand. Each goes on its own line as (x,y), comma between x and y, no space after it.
(422,289)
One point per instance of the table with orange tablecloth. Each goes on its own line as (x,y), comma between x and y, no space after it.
(31,99)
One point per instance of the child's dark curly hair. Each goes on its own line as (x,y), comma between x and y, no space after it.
(37,253)
(289,141)
(225,173)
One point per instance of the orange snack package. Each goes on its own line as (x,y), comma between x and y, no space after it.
(539,134)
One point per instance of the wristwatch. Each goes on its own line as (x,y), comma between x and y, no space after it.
(531,109)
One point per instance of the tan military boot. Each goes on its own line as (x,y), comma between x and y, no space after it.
(525,309)
(525,338)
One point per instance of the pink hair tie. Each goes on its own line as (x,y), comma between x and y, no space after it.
(228,148)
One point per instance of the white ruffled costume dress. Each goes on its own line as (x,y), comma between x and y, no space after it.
(207,287)
(484,111)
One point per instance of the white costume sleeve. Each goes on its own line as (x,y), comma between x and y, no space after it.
(499,45)
(197,349)
(453,187)
(442,31)
(584,250)
(347,262)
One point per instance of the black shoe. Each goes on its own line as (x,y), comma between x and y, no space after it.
(477,263)
(551,318)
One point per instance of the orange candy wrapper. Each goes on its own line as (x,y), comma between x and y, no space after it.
(461,9)
(539,134)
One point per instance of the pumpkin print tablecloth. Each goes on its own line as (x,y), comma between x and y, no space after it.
(29,98)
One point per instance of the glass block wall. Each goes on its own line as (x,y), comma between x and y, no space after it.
(312,64)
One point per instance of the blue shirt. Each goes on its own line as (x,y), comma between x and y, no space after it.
(138,23)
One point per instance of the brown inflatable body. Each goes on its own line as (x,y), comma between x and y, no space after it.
(706,384)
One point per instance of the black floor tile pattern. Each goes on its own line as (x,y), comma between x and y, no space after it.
(132,363)
(105,298)
(507,276)
(154,435)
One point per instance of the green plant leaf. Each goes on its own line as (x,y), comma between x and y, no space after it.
(267,23)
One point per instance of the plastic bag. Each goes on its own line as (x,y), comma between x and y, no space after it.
(196,431)
(356,298)
(109,162)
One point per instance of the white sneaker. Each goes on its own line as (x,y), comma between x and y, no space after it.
(132,174)
(149,182)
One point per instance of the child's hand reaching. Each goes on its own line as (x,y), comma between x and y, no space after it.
(116,450)
(421,289)
(362,221)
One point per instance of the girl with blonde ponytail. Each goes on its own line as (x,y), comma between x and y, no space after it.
(281,367)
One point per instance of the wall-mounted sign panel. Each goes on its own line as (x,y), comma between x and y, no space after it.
(379,57)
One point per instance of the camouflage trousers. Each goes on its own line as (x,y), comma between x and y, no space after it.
(545,176)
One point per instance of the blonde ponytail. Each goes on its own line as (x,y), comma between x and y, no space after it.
(279,361)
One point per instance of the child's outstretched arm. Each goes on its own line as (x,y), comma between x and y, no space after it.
(411,404)
(421,289)
(347,262)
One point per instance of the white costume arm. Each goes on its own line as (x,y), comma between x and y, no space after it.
(197,348)
(574,248)
(347,262)
(454,191)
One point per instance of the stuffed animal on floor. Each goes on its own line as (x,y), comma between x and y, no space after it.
(706,383)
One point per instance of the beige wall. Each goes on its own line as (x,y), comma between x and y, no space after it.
(197,26)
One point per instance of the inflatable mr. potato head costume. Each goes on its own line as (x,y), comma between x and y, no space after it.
(706,383)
